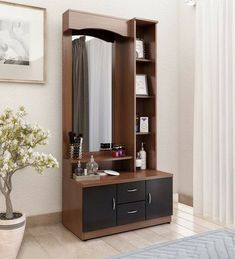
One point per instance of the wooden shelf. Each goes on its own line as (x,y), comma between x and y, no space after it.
(144,60)
(145,96)
(143,133)
(100,156)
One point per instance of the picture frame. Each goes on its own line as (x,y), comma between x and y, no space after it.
(22,43)
(141,85)
(144,124)
(140,51)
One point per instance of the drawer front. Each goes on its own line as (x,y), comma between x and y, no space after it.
(131,212)
(130,192)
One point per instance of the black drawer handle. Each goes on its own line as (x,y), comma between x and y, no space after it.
(132,190)
(149,198)
(132,211)
(114,203)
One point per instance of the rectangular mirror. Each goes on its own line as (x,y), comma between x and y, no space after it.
(92,91)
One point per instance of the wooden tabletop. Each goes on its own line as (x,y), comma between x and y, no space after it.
(125,177)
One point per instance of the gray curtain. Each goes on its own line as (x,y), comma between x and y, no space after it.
(81,91)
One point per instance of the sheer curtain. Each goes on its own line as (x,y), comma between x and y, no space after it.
(214,121)
(99,54)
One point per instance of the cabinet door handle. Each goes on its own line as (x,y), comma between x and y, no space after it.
(114,204)
(149,198)
(132,211)
(132,190)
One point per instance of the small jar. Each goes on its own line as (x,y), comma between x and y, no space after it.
(122,150)
(115,151)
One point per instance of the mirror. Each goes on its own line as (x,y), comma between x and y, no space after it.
(92,91)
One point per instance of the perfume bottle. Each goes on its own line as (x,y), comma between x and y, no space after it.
(138,161)
(143,157)
(137,126)
(78,169)
(92,166)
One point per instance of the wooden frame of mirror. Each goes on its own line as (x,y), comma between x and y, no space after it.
(113,30)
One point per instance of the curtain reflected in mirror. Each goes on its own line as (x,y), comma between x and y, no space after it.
(92,91)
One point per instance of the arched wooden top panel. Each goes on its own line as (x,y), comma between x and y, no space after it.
(77,20)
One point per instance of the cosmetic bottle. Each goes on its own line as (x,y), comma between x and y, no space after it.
(78,169)
(143,157)
(138,161)
(137,126)
(92,166)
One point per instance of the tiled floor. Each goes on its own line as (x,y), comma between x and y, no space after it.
(56,242)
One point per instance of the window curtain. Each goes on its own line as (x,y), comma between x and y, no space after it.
(80,90)
(99,54)
(214,120)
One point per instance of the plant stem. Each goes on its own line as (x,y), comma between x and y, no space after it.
(9,209)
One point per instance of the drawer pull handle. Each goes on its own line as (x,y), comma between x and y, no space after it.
(114,203)
(149,198)
(132,211)
(132,190)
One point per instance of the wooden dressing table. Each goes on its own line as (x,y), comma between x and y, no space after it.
(135,199)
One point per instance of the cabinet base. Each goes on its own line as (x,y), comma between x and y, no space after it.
(123,228)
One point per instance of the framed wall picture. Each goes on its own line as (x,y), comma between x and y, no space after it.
(22,43)
(139,48)
(141,85)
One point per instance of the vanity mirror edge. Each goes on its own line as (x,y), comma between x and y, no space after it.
(155,188)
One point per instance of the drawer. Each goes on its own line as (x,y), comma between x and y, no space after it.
(130,212)
(130,192)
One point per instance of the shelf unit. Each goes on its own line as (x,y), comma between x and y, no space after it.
(145,106)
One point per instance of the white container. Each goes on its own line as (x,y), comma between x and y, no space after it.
(143,157)
(11,235)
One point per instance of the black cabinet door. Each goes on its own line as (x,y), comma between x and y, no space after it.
(99,207)
(159,200)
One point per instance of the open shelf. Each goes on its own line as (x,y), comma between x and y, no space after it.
(100,156)
(142,133)
(145,96)
(144,60)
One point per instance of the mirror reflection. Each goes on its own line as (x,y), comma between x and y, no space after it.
(92,91)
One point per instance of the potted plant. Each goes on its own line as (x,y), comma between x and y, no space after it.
(18,140)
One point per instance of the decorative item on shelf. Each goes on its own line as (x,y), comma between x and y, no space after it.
(137,127)
(122,150)
(78,170)
(22,43)
(143,157)
(118,150)
(115,151)
(141,85)
(144,124)
(17,143)
(75,145)
(92,166)
(138,161)
(140,50)
(86,177)
(106,146)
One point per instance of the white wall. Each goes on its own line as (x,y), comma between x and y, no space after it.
(186,97)
(36,194)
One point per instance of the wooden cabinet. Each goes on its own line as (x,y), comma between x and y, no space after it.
(132,200)
(109,207)
(159,198)
(99,207)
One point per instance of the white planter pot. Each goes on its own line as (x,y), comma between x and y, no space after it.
(11,235)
